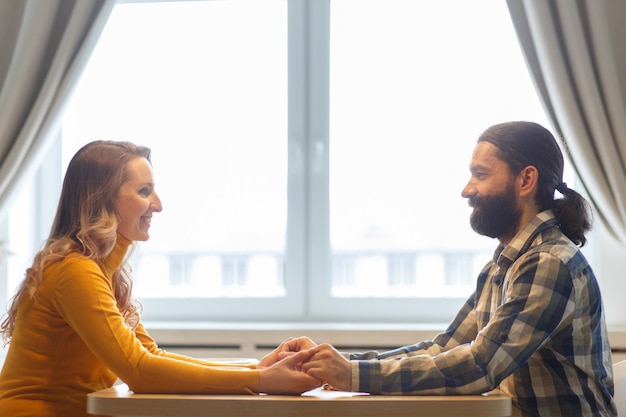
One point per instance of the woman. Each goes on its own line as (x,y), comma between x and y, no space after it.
(72,326)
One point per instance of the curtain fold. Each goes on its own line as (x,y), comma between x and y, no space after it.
(572,50)
(44,46)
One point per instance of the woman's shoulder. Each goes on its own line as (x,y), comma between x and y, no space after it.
(72,276)
(71,264)
(71,259)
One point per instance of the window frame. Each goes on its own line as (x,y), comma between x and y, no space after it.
(308,277)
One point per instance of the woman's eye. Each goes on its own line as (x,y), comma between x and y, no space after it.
(144,192)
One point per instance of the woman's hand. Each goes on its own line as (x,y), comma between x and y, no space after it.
(296,345)
(286,376)
(286,348)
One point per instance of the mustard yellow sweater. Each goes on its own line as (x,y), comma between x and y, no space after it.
(71,340)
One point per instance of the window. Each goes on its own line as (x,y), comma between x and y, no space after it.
(309,154)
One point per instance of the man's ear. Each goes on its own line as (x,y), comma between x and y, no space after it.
(528,180)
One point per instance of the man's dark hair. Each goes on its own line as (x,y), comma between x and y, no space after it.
(522,144)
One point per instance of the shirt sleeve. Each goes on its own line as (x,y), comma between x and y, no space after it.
(85,299)
(536,302)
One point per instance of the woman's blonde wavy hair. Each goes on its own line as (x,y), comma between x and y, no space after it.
(86,222)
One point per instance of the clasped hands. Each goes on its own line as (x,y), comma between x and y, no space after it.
(321,361)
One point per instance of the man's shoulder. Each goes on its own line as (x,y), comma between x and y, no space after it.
(552,243)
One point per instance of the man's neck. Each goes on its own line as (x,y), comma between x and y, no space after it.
(525,218)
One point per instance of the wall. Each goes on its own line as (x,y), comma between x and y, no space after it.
(256,340)
(228,340)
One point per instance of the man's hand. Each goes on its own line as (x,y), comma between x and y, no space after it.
(330,366)
(286,377)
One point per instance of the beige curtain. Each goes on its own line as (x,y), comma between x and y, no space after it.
(574,52)
(44,45)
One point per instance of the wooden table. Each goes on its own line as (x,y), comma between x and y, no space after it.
(120,402)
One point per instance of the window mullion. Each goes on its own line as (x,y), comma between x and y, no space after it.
(297,185)
(318,90)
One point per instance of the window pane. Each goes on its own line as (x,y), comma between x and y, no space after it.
(413,84)
(204,85)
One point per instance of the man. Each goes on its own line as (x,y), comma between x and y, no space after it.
(534,327)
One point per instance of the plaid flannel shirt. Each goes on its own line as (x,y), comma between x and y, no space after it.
(533,328)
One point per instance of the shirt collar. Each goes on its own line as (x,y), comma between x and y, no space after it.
(524,238)
(116,257)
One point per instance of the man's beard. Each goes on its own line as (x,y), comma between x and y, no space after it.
(496,216)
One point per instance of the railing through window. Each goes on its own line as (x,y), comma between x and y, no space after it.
(417,273)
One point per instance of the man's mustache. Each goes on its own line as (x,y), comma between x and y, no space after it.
(474,201)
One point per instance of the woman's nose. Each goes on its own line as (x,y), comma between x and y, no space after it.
(156,203)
